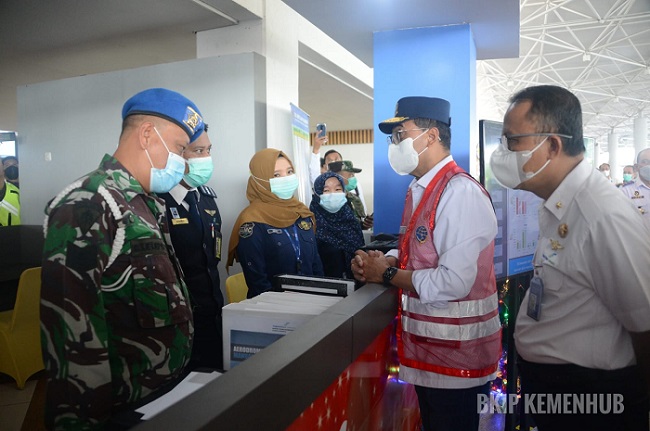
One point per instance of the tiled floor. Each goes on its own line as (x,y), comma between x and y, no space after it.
(14,403)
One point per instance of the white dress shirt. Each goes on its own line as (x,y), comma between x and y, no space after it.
(593,256)
(465,224)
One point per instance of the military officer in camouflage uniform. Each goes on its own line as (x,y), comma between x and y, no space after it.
(116,321)
(195,227)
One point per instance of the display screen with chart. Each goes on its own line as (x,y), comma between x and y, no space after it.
(516,211)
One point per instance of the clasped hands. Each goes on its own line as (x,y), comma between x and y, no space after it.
(369,266)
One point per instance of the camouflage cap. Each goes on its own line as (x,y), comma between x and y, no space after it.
(167,104)
(344,165)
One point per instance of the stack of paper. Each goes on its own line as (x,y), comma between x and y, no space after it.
(252,324)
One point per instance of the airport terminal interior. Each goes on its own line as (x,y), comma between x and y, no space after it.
(334,62)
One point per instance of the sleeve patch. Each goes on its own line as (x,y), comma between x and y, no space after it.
(246,230)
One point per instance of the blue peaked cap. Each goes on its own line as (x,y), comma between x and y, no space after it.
(409,108)
(167,104)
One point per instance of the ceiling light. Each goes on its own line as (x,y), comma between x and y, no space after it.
(510,82)
(647,70)
(586,56)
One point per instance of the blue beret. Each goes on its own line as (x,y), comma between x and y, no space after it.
(409,108)
(167,104)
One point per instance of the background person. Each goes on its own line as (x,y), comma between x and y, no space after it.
(606,171)
(195,228)
(443,268)
(638,191)
(628,175)
(338,233)
(116,323)
(347,171)
(329,157)
(10,163)
(583,325)
(9,200)
(275,234)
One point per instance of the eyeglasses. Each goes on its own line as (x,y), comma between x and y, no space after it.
(506,139)
(396,136)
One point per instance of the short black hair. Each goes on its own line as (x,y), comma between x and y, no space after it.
(555,110)
(322,162)
(443,129)
(330,152)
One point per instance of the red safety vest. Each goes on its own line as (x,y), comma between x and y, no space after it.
(464,339)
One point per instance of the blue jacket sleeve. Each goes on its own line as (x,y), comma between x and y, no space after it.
(250,252)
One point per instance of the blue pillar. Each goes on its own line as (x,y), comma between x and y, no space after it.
(432,62)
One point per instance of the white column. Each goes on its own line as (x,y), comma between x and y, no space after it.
(612,146)
(640,134)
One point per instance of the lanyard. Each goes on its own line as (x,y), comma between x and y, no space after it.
(295,243)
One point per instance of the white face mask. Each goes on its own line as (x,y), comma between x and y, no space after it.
(333,202)
(402,157)
(508,166)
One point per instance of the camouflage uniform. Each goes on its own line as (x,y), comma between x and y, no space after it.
(116,324)
(357,205)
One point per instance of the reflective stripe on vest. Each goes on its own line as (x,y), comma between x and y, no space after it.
(455,332)
(455,309)
(464,339)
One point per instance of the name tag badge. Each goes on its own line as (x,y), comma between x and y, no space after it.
(176,221)
(402,230)
(217,245)
(535,297)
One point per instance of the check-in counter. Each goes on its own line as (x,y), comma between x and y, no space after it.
(341,365)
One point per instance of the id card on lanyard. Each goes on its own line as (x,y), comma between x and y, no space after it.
(535,292)
(295,243)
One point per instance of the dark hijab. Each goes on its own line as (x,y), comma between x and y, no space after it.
(340,229)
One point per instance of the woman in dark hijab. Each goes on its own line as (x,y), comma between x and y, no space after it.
(338,232)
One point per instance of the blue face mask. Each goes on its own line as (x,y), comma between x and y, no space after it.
(163,180)
(200,171)
(333,202)
(351,185)
(284,187)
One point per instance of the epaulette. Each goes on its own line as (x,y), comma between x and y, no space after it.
(208,191)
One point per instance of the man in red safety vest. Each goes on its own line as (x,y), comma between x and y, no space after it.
(449,332)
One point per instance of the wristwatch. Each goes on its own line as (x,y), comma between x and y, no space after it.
(389,274)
